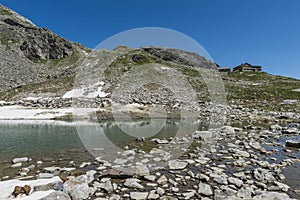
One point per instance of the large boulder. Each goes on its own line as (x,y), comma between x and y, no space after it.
(77,187)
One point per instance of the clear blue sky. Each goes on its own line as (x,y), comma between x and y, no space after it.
(264,32)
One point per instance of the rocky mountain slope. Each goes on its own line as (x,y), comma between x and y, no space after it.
(32,55)
(38,64)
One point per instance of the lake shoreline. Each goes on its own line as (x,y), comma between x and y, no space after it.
(218,158)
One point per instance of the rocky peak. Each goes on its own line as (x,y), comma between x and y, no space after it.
(35,43)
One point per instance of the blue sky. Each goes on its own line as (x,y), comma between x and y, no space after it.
(263,32)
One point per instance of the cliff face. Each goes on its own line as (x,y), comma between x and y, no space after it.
(35,43)
(32,55)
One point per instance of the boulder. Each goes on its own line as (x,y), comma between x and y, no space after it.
(205,189)
(77,187)
(177,165)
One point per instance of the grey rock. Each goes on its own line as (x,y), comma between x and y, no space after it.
(91,175)
(58,186)
(17,165)
(20,160)
(150,178)
(52,170)
(44,175)
(77,188)
(159,141)
(142,170)
(189,195)
(107,186)
(245,193)
(162,179)
(263,175)
(221,180)
(153,196)
(138,195)
(282,186)
(177,164)
(203,135)
(160,191)
(133,183)
(202,160)
(235,181)
(228,191)
(115,197)
(205,189)
(57,195)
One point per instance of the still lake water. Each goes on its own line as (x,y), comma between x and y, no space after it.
(57,143)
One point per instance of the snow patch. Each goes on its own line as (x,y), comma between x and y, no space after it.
(92,91)
(296,90)
(33,98)
(25,113)
(7,187)
(164,68)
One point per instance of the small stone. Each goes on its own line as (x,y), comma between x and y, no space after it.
(39,162)
(220,180)
(107,186)
(84,164)
(150,178)
(174,189)
(202,160)
(153,196)
(235,181)
(52,170)
(115,197)
(160,191)
(138,195)
(91,175)
(205,189)
(189,195)
(17,165)
(133,183)
(177,165)
(120,161)
(162,179)
(20,160)
(245,193)
(44,175)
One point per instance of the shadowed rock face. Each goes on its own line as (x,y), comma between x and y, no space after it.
(180,57)
(43,44)
(35,43)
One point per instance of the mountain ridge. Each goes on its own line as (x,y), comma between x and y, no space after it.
(35,62)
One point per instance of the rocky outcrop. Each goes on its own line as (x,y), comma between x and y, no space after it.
(35,43)
(43,44)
